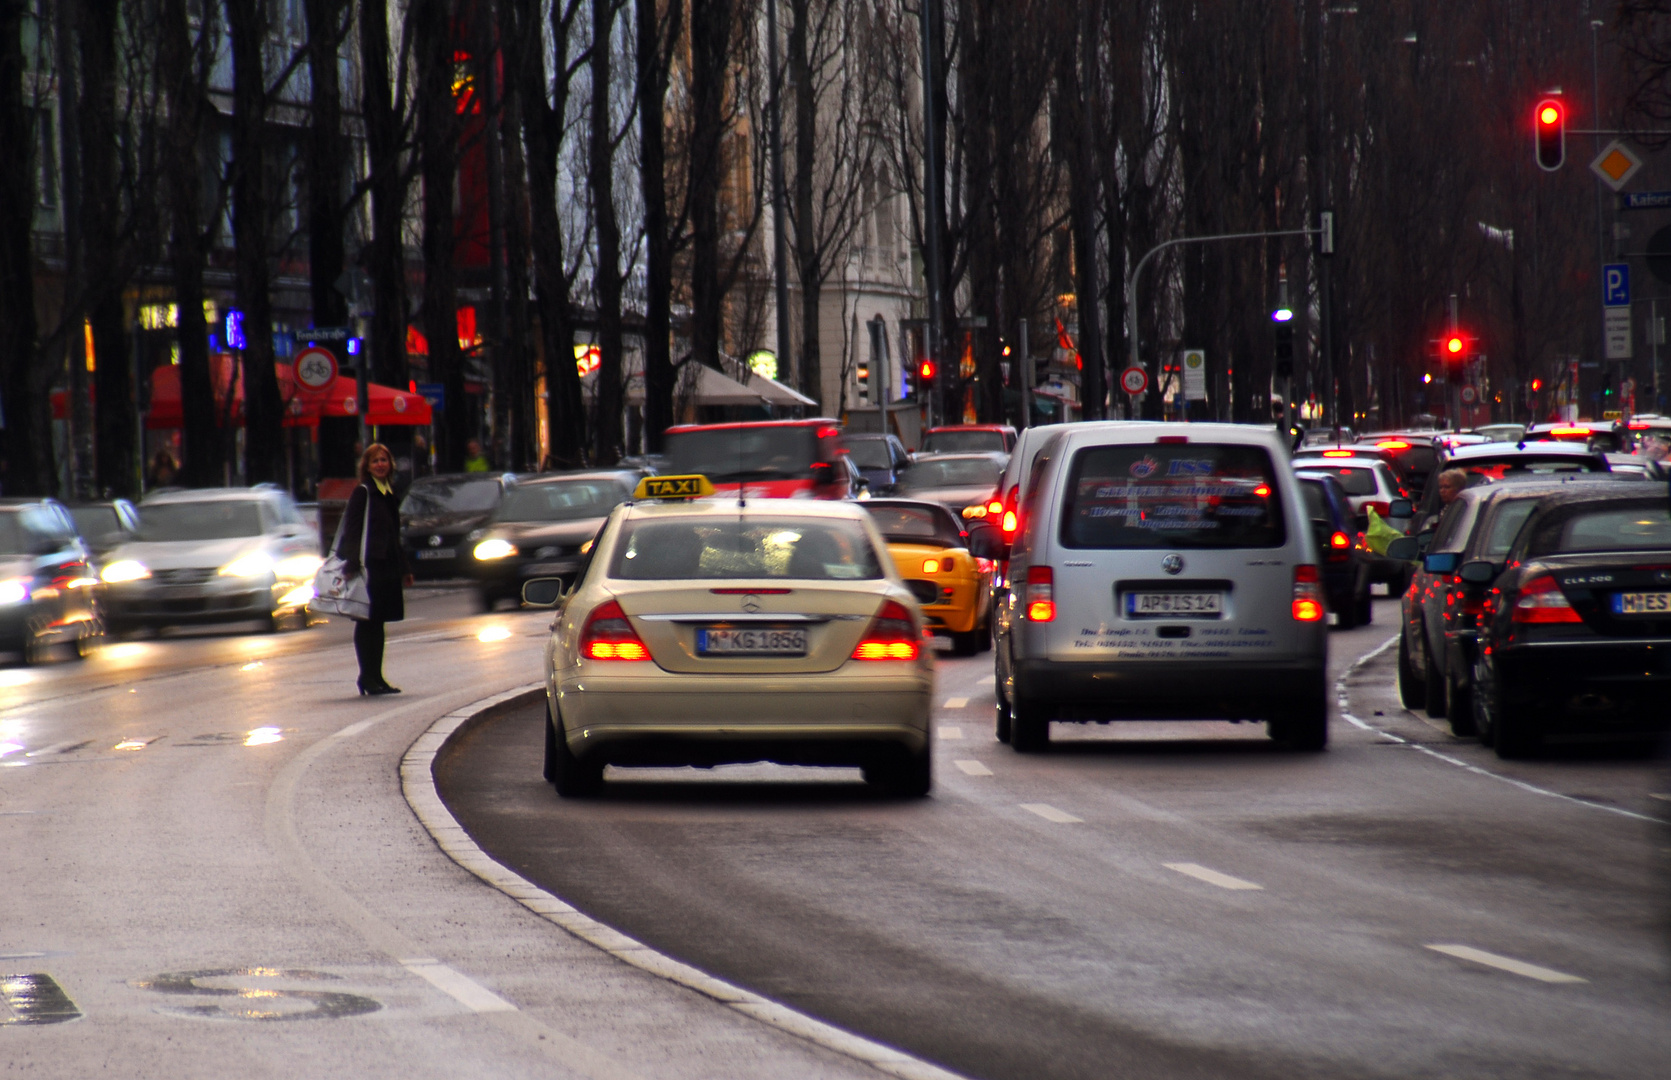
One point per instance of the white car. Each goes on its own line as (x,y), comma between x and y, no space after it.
(1369,482)
(212,556)
(711,631)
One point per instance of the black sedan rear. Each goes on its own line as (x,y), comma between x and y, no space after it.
(1575,642)
(540,529)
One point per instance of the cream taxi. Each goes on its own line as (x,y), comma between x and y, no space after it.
(703,630)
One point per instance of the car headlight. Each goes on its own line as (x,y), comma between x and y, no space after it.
(495,548)
(254,564)
(14,590)
(299,567)
(125,570)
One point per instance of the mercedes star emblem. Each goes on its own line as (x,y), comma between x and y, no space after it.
(1173,564)
(751,603)
(435,541)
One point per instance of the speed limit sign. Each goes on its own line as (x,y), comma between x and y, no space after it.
(1134,380)
(316,369)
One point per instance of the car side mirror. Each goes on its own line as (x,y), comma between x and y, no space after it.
(1441,562)
(1404,549)
(1400,508)
(987,542)
(543,592)
(1478,571)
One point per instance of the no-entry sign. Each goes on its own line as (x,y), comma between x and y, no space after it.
(1134,380)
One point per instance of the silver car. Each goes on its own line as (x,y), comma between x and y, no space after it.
(1162,571)
(211,556)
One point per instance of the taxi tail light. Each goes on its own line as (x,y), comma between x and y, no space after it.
(608,635)
(1542,602)
(892,635)
(1010,520)
(1308,594)
(1041,594)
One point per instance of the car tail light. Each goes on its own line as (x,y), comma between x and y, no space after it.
(1542,602)
(936,566)
(1340,453)
(892,635)
(995,507)
(1308,594)
(1041,594)
(1011,522)
(609,636)
(1340,547)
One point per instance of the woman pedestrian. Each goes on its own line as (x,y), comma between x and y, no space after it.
(374,509)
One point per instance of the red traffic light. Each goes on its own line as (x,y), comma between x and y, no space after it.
(1537,384)
(1550,120)
(926,370)
(1454,345)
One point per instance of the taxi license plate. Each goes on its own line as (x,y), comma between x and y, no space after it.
(436,553)
(762,641)
(1154,605)
(1642,603)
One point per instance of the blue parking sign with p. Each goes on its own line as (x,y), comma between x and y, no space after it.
(1615,285)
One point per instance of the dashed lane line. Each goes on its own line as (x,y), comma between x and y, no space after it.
(972,768)
(950,731)
(1050,813)
(1211,877)
(1346,714)
(457,985)
(955,703)
(1507,963)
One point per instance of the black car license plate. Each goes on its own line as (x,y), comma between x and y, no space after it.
(1642,603)
(436,553)
(754,641)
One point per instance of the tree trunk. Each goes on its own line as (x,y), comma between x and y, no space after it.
(438,140)
(656,38)
(517,337)
(606,282)
(327,163)
(710,48)
(807,262)
(386,259)
(26,441)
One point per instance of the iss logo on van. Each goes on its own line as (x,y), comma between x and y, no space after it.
(1144,467)
(1191,467)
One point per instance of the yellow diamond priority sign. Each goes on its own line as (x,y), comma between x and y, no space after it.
(1616,164)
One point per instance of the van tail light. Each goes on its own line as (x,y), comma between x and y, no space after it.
(1340,547)
(609,636)
(892,635)
(1041,594)
(1308,594)
(1542,602)
(1011,521)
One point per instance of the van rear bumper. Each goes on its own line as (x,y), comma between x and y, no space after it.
(1172,690)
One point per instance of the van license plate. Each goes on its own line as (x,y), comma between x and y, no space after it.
(765,641)
(1153,605)
(1642,603)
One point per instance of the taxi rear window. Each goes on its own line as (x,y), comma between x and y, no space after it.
(1188,495)
(710,549)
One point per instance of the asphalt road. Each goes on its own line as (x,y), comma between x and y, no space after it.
(1146,900)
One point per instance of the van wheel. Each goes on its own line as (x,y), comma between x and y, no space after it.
(1433,686)
(573,777)
(1410,689)
(1029,726)
(1303,727)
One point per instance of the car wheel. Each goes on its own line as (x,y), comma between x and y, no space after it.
(983,637)
(1303,727)
(1433,687)
(572,776)
(92,634)
(1002,728)
(1485,704)
(965,643)
(1410,689)
(36,648)
(1365,604)
(1346,613)
(486,602)
(899,773)
(1029,726)
(1459,704)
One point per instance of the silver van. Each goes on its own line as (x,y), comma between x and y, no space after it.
(1162,571)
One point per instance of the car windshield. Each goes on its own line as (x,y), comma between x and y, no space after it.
(1638,528)
(1194,495)
(953,472)
(744,453)
(433,498)
(963,442)
(94,521)
(565,500)
(869,453)
(221,519)
(915,525)
(711,549)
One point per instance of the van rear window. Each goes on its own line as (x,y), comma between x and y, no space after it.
(1189,495)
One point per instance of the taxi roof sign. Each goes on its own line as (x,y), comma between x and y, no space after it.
(695,486)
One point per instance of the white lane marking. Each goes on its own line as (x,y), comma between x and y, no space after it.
(973,768)
(1505,963)
(1050,813)
(1651,794)
(417,781)
(955,703)
(459,986)
(1346,714)
(1211,877)
(353,729)
(59,748)
(987,680)
(950,731)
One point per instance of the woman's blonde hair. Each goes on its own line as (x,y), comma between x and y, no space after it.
(365,461)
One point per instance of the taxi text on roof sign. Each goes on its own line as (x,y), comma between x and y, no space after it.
(673,487)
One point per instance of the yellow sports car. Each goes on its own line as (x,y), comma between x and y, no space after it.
(711,630)
(931,550)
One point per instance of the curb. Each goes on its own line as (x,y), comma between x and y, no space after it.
(417,782)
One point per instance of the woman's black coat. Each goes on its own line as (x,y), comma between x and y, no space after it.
(385,558)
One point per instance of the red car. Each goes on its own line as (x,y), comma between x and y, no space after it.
(768,459)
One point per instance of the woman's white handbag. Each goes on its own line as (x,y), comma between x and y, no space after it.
(336,589)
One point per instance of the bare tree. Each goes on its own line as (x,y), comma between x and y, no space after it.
(606,260)
(26,449)
(658,34)
(438,131)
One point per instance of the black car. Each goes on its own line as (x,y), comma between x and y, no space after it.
(1575,636)
(47,584)
(881,459)
(438,515)
(1489,462)
(104,526)
(540,527)
(1346,576)
(1440,610)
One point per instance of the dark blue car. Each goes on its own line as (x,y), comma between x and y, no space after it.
(881,459)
